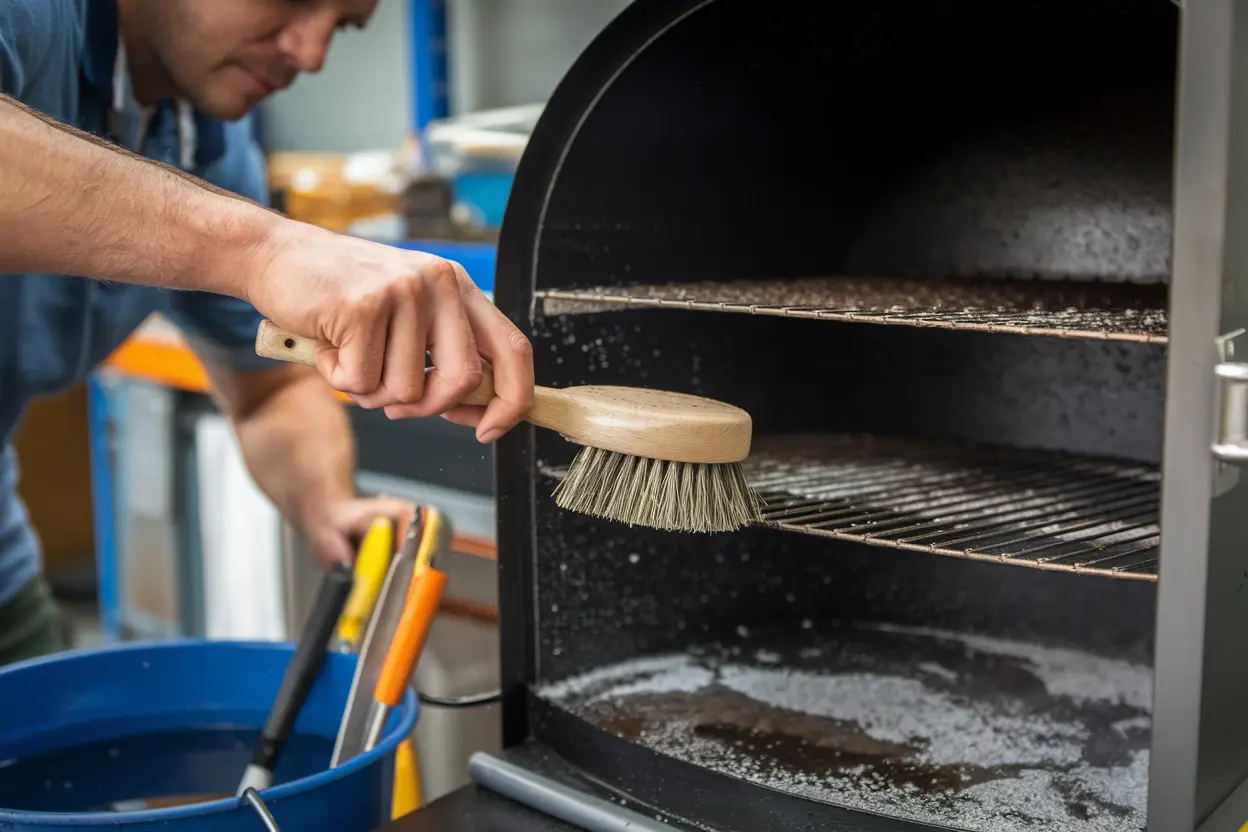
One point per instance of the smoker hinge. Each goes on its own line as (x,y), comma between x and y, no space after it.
(1230,429)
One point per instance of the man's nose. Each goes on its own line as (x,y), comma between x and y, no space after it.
(306,40)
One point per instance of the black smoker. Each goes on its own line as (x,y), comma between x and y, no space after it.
(928,245)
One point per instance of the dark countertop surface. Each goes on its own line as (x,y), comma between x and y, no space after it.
(473,809)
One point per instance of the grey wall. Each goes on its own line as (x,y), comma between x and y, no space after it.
(506,52)
(503,52)
(361,100)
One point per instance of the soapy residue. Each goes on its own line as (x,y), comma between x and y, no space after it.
(969,731)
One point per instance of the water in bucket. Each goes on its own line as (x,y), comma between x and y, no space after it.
(170,727)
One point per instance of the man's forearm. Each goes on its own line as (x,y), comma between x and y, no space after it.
(297,442)
(73,204)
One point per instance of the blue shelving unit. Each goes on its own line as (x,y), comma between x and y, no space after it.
(430,82)
(430,101)
(477,258)
(100,422)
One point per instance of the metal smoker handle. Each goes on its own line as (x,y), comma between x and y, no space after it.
(1230,428)
(1230,438)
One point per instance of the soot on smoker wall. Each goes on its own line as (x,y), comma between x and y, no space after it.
(1079,396)
(896,138)
(607,593)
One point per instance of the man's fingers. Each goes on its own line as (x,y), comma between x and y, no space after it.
(330,546)
(457,365)
(348,522)
(511,355)
(401,512)
(403,369)
(355,367)
(468,415)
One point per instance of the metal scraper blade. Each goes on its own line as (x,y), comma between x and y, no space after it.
(377,638)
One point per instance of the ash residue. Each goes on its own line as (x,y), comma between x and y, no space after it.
(891,293)
(1078,308)
(968,731)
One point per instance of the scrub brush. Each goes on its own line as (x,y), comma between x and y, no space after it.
(652,458)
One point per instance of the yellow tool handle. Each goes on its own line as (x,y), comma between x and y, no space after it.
(407,786)
(370,573)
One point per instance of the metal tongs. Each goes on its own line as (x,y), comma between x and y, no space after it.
(396,635)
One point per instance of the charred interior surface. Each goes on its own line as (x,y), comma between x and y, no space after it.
(938,727)
(948,692)
(900,139)
(608,594)
(1062,309)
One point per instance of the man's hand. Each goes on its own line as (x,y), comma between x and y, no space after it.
(334,532)
(377,310)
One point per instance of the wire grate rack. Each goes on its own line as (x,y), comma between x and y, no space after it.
(1039,509)
(1067,309)
(1031,508)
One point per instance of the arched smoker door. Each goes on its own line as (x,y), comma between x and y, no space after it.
(1026,149)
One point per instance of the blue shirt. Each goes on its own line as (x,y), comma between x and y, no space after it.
(61,57)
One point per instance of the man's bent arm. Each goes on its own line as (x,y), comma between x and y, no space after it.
(288,418)
(299,448)
(71,203)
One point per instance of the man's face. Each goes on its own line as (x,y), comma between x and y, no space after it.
(226,56)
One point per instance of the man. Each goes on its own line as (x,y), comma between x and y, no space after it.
(173,80)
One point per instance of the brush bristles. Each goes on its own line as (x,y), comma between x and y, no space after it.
(658,494)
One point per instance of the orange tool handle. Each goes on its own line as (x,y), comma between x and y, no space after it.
(419,609)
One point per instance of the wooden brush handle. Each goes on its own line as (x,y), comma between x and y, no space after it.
(650,423)
(274,342)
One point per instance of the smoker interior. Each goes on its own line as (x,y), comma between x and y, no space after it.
(926,246)
(939,681)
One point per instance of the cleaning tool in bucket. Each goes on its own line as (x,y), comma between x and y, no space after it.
(435,538)
(300,674)
(419,609)
(372,653)
(395,636)
(178,720)
(371,564)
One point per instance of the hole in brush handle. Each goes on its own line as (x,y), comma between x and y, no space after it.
(274,342)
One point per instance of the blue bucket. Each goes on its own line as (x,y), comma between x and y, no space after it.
(81,732)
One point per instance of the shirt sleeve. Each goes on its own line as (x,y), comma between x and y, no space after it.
(36,37)
(222,330)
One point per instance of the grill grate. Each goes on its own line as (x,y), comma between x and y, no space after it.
(1039,509)
(1031,508)
(1119,312)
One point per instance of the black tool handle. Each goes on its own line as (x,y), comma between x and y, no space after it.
(301,672)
